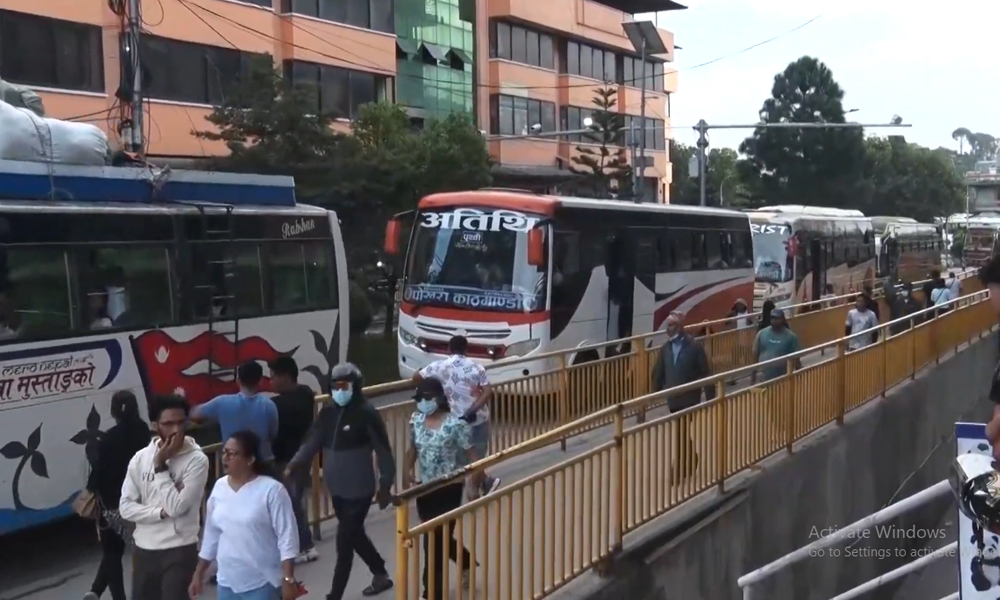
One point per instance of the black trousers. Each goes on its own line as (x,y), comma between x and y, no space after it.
(351,538)
(110,574)
(429,506)
(163,574)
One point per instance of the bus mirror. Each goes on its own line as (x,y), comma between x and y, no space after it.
(392,234)
(536,247)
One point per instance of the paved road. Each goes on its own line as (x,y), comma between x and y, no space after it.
(58,562)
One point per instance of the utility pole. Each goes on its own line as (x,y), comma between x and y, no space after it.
(702,128)
(136,140)
(639,168)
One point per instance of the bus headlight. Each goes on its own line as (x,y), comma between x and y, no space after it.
(521,348)
(407,338)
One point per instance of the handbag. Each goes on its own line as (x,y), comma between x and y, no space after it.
(86,505)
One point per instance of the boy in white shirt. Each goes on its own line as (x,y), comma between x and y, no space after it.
(860,318)
(162,495)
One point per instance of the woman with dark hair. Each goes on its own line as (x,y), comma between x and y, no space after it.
(117,447)
(765,315)
(441,445)
(250,529)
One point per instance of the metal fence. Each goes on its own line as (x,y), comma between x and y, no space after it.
(535,535)
(571,399)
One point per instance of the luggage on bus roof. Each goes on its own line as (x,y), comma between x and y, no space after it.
(144,185)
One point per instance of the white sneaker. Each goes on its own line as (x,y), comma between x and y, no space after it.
(91,596)
(310,555)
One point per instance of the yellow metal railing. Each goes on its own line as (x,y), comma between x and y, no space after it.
(545,402)
(535,535)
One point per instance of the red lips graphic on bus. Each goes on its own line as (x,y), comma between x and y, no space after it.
(165,361)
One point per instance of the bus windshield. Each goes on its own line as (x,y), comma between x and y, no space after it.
(772,263)
(979,238)
(474,259)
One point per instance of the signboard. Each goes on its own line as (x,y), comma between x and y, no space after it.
(978,572)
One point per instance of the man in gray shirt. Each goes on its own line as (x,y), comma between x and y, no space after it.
(349,430)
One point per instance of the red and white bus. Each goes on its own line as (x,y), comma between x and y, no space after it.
(523,274)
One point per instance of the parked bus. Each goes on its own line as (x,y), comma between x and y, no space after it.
(798,250)
(155,288)
(523,274)
(980,231)
(906,250)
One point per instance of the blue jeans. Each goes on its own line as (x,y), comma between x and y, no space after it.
(267,592)
(481,439)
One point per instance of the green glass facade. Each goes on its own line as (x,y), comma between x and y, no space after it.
(427,79)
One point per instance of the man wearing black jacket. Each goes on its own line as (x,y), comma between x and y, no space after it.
(929,287)
(990,276)
(349,431)
(682,360)
(296,404)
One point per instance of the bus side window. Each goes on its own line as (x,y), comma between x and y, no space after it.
(699,254)
(228,297)
(664,254)
(299,276)
(34,293)
(126,286)
(713,250)
(682,242)
(742,249)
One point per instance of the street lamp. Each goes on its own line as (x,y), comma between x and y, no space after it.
(702,128)
(646,40)
(535,131)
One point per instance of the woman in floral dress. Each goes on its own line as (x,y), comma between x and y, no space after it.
(439,442)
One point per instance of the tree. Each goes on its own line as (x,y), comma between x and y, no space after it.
(724,183)
(910,180)
(269,127)
(982,146)
(605,168)
(806,166)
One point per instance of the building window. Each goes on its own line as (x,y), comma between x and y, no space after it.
(589,61)
(376,15)
(50,52)
(337,91)
(513,115)
(521,45)
(652,136)
(631,73)
(186,72)
(572,119)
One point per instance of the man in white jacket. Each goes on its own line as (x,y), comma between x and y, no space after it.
(162,495)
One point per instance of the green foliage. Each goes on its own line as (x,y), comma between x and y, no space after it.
(604,168)
(981,146)
(725,184)
(909,180)
(384,167)
(806,166)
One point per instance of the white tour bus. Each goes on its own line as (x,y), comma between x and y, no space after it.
(120,284)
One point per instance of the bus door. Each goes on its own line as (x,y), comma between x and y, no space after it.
(620,269)
(816,260)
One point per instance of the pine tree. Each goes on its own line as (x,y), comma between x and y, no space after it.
(605,168)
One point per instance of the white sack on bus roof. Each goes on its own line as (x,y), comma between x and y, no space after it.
(26,136)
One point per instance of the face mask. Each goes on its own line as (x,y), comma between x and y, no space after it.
(427,406)
(342,397)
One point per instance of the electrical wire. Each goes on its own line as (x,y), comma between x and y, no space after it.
(370,65)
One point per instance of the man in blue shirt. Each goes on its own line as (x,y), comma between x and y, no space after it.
(248,409)
(772,342)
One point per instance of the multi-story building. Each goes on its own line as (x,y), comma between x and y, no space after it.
(192,51)
(546,60)
(514,64)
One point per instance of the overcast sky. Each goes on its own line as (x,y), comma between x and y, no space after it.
(934,64)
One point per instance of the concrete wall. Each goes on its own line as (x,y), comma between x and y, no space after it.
(837,477)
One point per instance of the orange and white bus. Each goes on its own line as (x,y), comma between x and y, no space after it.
(523,274)
(798,250)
